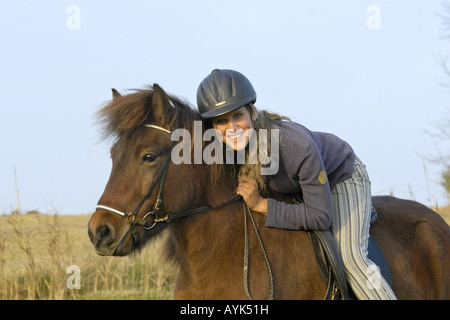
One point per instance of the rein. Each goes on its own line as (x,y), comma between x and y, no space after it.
(246,254)
(161,177)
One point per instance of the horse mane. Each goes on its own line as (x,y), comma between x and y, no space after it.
(127,112)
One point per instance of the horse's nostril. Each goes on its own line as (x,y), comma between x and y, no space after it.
(105,234)
(102,232)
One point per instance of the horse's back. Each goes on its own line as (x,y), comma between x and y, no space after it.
(416,243)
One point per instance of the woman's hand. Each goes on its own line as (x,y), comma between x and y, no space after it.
(248,189)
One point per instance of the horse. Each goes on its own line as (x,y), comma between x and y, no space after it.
(220,255)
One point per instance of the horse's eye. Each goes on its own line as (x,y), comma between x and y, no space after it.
(149,158)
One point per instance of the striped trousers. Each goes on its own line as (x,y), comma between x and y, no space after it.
(352,204)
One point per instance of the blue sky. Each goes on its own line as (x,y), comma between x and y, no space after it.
(317,62)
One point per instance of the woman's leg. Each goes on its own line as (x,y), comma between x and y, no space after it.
(352,203)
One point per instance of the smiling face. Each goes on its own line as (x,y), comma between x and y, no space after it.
(233,127)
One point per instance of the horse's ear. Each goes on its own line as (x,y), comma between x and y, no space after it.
(160,104)
(115,93)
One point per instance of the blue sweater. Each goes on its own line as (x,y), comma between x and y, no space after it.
(311,164)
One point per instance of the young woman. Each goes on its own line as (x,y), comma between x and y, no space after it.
(319,168)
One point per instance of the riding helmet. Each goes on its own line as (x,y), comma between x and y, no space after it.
(223,91)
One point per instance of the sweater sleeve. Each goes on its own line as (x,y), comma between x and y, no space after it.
(314,213)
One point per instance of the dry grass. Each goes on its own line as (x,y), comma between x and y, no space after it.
(37,249)
(444,213)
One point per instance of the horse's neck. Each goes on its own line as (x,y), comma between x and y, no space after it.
(207,243)
(209,248)
(211,223)
(210,251)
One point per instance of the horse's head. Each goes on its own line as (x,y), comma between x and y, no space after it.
(142,174)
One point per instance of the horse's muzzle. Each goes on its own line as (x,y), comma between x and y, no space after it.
(106,239)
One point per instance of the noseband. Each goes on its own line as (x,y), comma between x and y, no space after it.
(162,175)
(131,216)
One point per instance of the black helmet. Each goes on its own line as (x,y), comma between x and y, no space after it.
(223,91)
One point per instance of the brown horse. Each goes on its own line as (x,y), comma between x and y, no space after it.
(147,192)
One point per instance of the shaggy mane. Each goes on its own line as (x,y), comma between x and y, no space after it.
(127,112)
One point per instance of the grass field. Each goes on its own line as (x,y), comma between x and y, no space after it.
(36,251)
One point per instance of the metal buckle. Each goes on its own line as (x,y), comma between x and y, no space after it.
(156,208)
(157,205)
(165,219)
(129,217)
(151,213)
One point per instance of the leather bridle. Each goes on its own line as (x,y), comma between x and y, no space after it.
(160,178)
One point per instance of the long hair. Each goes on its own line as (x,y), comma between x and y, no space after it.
(265,120)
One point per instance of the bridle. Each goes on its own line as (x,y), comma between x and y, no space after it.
(130,217)
(161,179)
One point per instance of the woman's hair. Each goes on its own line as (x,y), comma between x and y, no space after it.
(264,120)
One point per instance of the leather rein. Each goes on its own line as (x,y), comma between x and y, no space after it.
(160,178)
